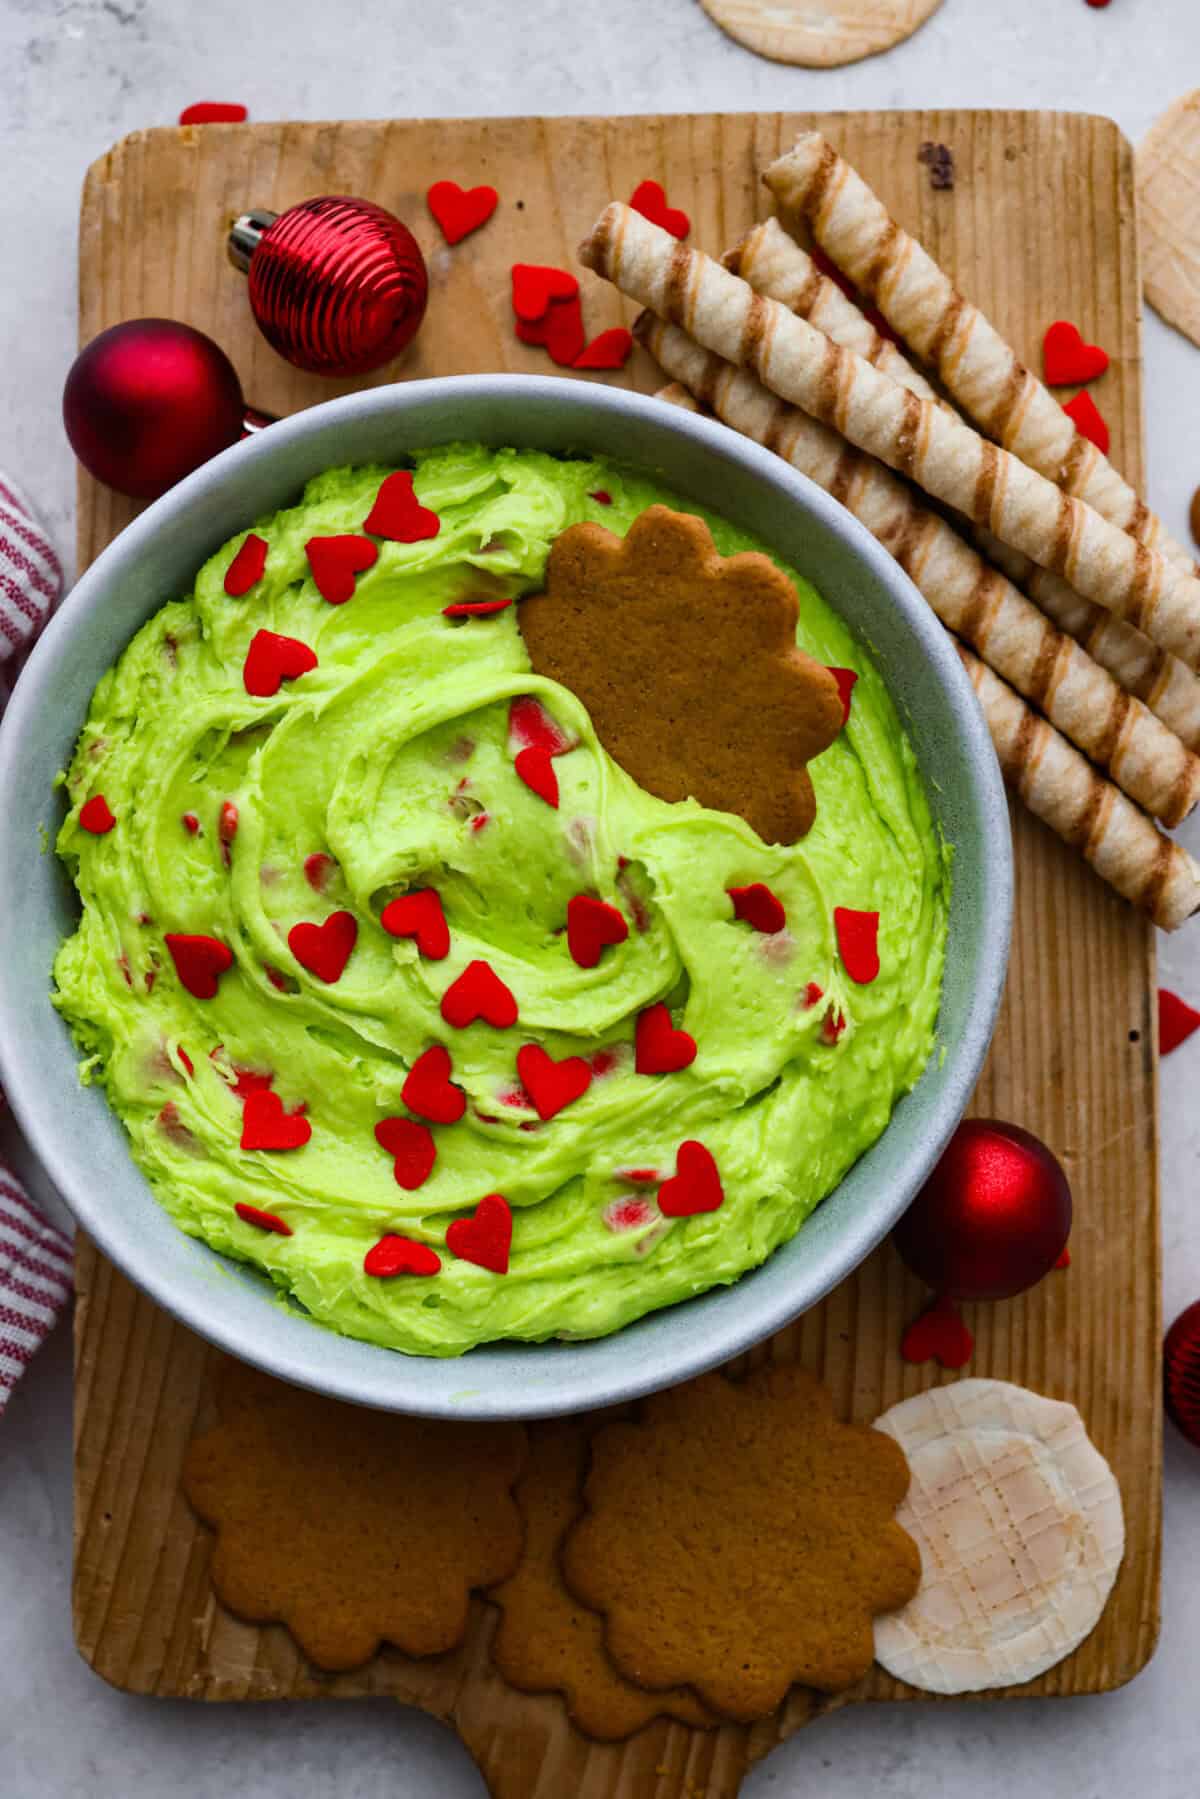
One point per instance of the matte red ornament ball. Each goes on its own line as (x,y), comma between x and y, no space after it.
(992,1218)
(147,402)
(337,285)
(1181,1373)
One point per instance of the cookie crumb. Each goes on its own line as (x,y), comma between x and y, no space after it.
(939,159)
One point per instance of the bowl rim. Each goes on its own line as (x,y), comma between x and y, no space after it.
(284,1357)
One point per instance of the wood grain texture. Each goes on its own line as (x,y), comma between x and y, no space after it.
(1039,225)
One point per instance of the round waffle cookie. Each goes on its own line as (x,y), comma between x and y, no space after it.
(1018,1519)
(819,37)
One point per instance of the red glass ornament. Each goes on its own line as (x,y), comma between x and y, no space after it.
(1181,1373)
(337,285)
(993,1216)
(147,402)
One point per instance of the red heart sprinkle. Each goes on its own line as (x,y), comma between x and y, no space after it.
(191,823)
(560,332)
(265,1124)
(250,1080)
(629,1214)
(324,949)
(227,822)
(246,569)
(845,678)
(1067,360)
(551,1085)
(694,1187)
(832,1026)
(335,561)
(199,962)
(459,210)
(1085,415)
(649,199)
(1064,1260)
(411,1148)
(398,514)
(536,769)
(277,980)
(486,1237)
(611,350)
(319,870)
(185,1059)
(535,288)
(530,727)
(271,660)
(475,608)
(1176,1021)
(660,1048)
(812,993)
(400,1255)
(479,993)
(758,906)
(858,943)
(601,497)
(95,815)
(429,1091)
(419,914)
(265,1221)
(938,1335)
(592,925)
(213,112)
(641,1177)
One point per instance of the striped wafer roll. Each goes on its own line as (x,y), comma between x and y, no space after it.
(922,304)
(1063,789)
(920,439)
(971,598)
(1161,681)
(775,265)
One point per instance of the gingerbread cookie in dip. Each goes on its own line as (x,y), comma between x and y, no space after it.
(404,986)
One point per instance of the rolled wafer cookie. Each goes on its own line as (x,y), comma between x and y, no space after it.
(921,303)
(1063,789)
(775,265)
(969,597)
(1019,1521)
(1090,813)
(1153,675)
(916,437)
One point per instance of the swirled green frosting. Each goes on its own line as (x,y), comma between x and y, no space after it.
(393,759)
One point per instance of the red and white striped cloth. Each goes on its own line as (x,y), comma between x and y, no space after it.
(35,1280)
(35,1257)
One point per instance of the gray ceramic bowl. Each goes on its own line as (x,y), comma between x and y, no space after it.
(82,1144)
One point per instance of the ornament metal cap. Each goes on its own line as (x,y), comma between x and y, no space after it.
(246,234)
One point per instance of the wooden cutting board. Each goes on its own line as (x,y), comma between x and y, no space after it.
(1039,225)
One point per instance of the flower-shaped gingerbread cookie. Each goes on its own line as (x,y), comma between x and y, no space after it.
(739,1539)
(546,1641)
(687,663)
(352,1526)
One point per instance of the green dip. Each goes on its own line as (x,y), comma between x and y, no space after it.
(393,759)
